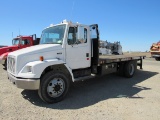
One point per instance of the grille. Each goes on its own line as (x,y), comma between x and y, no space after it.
(11,64)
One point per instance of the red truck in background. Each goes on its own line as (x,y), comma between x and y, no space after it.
(2,46)
(17,43)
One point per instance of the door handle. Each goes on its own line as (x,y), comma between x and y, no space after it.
(87,54)
(59,53)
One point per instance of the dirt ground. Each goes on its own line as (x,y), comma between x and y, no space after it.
(110,97)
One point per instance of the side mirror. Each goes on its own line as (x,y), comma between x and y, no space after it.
(80,35)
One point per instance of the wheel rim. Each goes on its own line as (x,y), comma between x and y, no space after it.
(131,69)
(55,87)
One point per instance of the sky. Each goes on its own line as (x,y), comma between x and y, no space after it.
(135,23)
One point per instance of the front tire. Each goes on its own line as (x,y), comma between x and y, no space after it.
(157,58)
(5,65)
(53,87)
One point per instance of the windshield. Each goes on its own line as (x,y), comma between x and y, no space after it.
(53,35)
(15,41)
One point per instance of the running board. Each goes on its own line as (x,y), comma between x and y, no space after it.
(84,78)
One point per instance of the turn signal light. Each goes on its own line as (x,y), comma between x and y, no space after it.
(41,58)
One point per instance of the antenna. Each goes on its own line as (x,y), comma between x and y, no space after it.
(19,31)
(12,35)
(72,9)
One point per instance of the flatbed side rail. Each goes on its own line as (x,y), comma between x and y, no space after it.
(120,58)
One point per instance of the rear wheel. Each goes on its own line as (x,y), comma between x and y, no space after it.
(157,58)
(130,68)
(53,87)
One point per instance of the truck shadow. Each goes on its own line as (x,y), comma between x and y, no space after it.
(4,68)
(89,92)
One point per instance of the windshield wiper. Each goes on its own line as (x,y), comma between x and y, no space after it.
(48,43)
(52,43)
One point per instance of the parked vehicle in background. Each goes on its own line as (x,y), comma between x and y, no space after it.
(155,51)
(2,46)
(68,52)
(17,43)
(109,48)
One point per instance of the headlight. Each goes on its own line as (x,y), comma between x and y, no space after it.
(27,69)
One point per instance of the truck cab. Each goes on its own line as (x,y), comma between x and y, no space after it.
(155,51)
(19,42)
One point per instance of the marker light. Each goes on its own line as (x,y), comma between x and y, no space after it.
(41,58)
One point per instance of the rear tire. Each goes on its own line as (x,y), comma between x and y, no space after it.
(53,87)
(130,68)
(157,58)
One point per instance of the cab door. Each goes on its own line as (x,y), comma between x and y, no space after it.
(78,49)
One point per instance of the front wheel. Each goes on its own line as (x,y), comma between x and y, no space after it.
(157,58)
(53,87)
(5,65)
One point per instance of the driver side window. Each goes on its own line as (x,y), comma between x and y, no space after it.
(72,35)
(77,35)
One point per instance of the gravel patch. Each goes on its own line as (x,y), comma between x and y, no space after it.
(107,97)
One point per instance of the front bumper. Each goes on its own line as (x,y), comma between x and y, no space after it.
(28,84)
(154,55)
(2,61)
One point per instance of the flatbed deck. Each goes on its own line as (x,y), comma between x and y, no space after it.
(118,58)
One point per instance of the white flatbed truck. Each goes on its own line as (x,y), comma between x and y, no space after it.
(68,52)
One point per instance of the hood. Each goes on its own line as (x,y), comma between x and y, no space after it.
(36,49)
(8,49)
(30,54)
